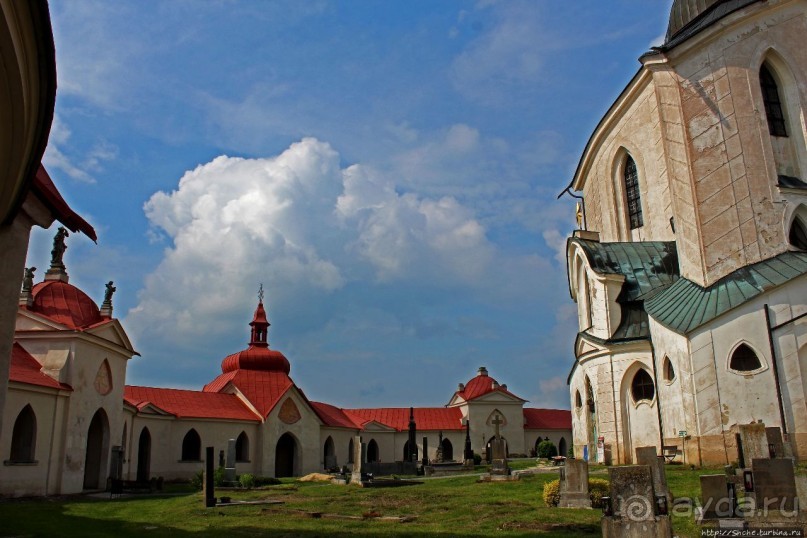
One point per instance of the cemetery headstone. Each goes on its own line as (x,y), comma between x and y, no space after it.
(716,502)
(647,455)
(776,445)
(633,505)
(754,439)
(498,448)
(574,485)
(229,468)
(426,450)
(468,452)
(775,484)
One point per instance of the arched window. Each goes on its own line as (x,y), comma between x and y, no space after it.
(192,446)
(669,371)
(23,437)
(744,359)
(350,450)
(798,234)
(774,109)
(632,196)
(578,400)
(242,447)
(589,396)
(372,451)
(642,386)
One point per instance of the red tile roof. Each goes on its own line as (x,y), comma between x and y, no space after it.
(65,304)
(47,192)
(263,389)
(333,416)
(426,418)
(189,403)
(26,369)
(547,419)
(480,385)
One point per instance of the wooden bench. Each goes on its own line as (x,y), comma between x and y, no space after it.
(670,452)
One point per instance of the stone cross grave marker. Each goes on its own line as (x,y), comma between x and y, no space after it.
(574,485)
(498,451)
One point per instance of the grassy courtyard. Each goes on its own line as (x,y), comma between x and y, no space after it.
(444,507)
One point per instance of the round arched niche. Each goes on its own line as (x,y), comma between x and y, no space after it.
(289,413)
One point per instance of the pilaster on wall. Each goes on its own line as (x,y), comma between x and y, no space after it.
(679,176)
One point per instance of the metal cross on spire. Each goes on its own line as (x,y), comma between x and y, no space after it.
(260,293)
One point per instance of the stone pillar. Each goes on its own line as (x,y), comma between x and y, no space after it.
(358,459)
(210,497)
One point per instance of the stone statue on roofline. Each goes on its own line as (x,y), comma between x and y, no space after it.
(59,246)
(110,289)
(28,279)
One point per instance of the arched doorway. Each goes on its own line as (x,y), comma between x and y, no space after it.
(242,448)
(285,456)
(448,450)
(96,458)
(329,454)
(372,451)
(638,397)
(562,448)
(489,452)
(144,456)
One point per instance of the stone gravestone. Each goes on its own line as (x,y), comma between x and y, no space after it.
(776,445)
(574,485)
(498,449)
(775,484)
(716,502)
(426,451)
(229,467)
(647,455)
(467,452)
(754,441)
(116,465)
(632,511)
(358,459)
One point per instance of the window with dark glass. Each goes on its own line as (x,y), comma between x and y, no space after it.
(578,401)
(632,195)
(642,386)
(242,447)
(669,371)
(798,235)
(774,109)
(744,359)
(192,446)
(23,437)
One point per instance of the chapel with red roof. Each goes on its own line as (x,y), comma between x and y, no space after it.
(76,422)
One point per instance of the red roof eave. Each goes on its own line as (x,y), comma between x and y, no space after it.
(46,191)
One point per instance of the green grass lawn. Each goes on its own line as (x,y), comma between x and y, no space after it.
(446,507)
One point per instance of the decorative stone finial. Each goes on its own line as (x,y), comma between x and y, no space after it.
(260,293)
(26,297)
(57,269)
(106,306)
(483,370)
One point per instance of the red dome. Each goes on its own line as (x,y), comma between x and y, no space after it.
(65,304)
(256,358)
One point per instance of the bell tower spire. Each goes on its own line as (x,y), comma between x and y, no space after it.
(259,324)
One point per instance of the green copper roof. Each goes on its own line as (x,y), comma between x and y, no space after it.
(646,266)
(685,306)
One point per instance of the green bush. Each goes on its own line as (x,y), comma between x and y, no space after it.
(547,449)
(198,480)
(597,489)
(477,459)
(218,477)
(247,481)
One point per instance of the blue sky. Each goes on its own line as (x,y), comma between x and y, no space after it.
(388,171)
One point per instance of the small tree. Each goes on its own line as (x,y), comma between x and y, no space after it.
(547,449)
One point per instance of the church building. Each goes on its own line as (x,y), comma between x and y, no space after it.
(689,266)
(73,422)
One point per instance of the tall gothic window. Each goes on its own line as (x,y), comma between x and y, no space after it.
(798,234)
(774,109)
(23,437)
(642,386)
(631,176)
